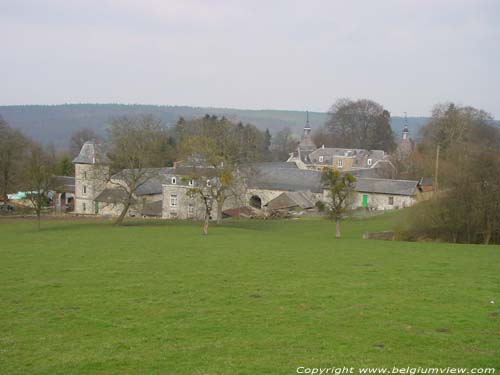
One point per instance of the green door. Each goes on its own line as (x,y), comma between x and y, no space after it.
(96,207)
(365,200)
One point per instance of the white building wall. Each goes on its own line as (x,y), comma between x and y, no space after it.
(382,201)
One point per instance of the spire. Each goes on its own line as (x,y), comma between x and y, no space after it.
(307,127)
(406,132)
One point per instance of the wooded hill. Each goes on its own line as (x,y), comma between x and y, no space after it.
(55,123)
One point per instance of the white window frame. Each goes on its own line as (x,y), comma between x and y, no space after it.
(191,182)
(340,163)
(321,159)
(191,209)
(173,200)
(369,161)
(174,181)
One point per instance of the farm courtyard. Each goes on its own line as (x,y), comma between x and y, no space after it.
(252,297)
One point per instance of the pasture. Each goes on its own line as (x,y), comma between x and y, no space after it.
(252,297)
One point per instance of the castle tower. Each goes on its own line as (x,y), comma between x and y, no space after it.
(90,177)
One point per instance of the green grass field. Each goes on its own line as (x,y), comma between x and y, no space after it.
(254,297)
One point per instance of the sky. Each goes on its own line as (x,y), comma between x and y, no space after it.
(408,55)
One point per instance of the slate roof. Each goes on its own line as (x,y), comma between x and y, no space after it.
(91,153)
(289,179)
(111,196)
(63,184)
(155,177)
(386,186)
(292,199)
(360,156)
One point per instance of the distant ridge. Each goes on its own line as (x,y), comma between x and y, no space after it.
(55,123)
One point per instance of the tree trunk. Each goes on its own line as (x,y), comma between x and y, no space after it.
(205,224)
(487,233)
(120,219)
(337,228)
(219,212)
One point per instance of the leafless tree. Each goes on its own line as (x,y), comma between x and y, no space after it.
(360,124)
(220,147)
(39,169)
(137,145)
(13,145)
(79,137)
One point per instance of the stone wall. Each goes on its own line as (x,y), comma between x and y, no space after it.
(89,182)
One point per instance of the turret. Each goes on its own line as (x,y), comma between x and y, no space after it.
(91,169)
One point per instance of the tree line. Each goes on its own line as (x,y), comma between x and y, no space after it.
(460,148)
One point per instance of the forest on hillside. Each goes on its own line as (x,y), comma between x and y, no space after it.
(56,123)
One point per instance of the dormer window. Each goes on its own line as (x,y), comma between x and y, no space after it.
(174,180)
(340,163)
(321,159)
(369,161)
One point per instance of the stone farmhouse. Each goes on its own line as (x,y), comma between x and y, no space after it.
(295,184)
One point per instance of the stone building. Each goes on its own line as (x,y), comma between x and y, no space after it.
(168,192)
(90,180)
(309,156)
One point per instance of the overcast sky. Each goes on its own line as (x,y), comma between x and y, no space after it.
(405,54)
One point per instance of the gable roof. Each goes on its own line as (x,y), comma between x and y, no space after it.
(63,184)
(111,196)
(386,186)
(291,199)
(270,177)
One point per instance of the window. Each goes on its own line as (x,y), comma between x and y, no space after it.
(369,161)
(391,201)
(84,189)
(173,200)
(173,215)
(191,210)
(191,182)
(174,180)
(321,158)
(340,163)
(84,207)
(85,175)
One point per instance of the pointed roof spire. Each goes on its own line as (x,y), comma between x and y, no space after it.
(307,121)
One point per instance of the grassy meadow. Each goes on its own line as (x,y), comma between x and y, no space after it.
(253,297)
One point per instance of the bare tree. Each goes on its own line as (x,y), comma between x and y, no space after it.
(39,169)
(220,147)
(137,145)
(13,146)
(360,124)
(340,187)
(79,137)
(283,143)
